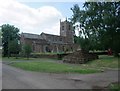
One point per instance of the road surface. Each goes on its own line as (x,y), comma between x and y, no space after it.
(13,78)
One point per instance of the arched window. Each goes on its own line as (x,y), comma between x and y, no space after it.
(47,49)
(62,27)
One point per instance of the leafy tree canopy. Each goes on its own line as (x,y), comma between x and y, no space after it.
(10,35)
(100,24)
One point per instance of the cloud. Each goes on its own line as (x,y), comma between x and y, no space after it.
(30,20)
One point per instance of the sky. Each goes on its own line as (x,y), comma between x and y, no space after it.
(33,16)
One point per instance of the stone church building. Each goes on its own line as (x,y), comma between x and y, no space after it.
(52,43)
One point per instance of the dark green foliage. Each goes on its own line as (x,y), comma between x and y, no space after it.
(14,47)
(84,42)
(114,86)
(10,39)
(27,50)
(100,24)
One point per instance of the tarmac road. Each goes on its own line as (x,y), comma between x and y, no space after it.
(14,78)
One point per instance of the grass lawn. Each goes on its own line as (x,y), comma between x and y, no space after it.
(114,87)
(25,59)
(103,62)
(49,65)
(52,67)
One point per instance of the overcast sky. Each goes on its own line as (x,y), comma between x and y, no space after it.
(31,16)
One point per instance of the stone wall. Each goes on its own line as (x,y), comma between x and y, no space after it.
(79,57)
(52,56)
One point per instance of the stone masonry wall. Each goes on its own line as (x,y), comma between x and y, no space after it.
(79,57)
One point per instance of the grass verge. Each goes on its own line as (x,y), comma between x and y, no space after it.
(104,61)
(114,87)
(43,66)
(49,65)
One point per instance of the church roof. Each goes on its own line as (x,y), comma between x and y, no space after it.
(47,38)
(31,36)
(51,35)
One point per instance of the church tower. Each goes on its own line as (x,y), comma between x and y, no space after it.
(66,30)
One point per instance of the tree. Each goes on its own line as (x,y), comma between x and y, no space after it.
(100,24)
(14,47)
(9,34)
(83,42)
(27,50)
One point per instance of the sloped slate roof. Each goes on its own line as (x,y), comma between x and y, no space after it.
(31,36)
(50,38)
(49,34)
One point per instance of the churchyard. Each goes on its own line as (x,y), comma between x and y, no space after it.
(67,53)
(49,65)
(57,66)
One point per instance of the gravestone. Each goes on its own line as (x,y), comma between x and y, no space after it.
(79,57)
